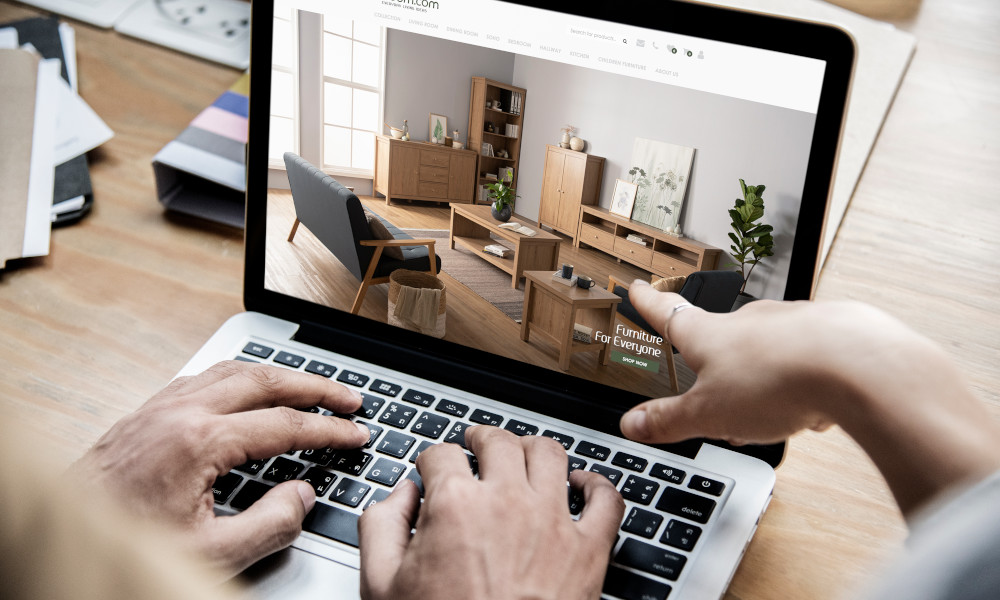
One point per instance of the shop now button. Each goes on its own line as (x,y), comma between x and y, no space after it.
(635,361)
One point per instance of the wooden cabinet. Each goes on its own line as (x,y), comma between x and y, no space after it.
(495,132)
(422,171)
(661,253)
(571,179)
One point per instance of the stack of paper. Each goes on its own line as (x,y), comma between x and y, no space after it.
(46,128)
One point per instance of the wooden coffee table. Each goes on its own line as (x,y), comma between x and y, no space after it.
(471,226)
(551,309)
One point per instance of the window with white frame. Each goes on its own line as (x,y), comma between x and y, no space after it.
(284,63)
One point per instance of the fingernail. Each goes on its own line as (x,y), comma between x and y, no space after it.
(307,495)
(634,425)
(364,429)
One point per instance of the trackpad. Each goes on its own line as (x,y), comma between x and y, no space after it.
(294,573)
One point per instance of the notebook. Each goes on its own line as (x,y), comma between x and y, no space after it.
(665,106)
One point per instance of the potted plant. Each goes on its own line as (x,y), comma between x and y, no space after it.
(752,240)
(503,197)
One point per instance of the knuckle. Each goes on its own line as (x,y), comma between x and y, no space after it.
(264,377)
(291,419)
(545,445)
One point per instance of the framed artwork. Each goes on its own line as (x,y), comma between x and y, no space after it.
(623,199)
(660,172)
(437,128)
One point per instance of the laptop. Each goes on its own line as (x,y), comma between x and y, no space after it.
(665,107)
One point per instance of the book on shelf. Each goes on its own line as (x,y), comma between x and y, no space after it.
(487,149)
(636,239)
(512,130)
(518,228)
(497,250)
(582,333)
(506,174)
(558,278)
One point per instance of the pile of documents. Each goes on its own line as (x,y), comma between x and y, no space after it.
(46,129)
(498,250)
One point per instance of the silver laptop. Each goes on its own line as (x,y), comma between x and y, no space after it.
(633,125)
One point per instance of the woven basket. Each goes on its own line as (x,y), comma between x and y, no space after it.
(401,278)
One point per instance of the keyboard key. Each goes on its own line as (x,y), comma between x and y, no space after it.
(317,368)
(369,406)
(282,469)
(613,475)
(457,434)
(639,489)
(377,497)
(397,415)
(289,360)
(349,492)
(575,501)
(332,522)
(396,444)
(320,479)
(685,504)
(320,456)
(473,463)
(245,359)
(373,433)
(667,473)
(384,387)
(386,472)
(680,535)
(704,484)
(253,466)
(223,487)
(632,586)
(350,461)
(651,559)
(627,461)
(642,522)
(486,418)
(257,350)
(417,397)
(520,428)
(593,450)
(452,408)
(430,425)
(248,494)
(414,476)
(562,438)
(423,446)
(575,462)
(352,378)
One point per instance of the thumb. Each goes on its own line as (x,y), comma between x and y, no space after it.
(663,420)
(384,532)
(270,524)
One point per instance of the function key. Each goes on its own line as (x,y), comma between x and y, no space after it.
(486,418)
(397,415)
(704,484)
(667,473)
(593,450)
(562,438)
(289,360)
(319,368)
(449,407)
(223,487)
(627,461)
(680,535)
(352,378)
(520,428)
(613,475)
(257,350)
(386,472)
(349,492)
(649,558)
(430,425)
(384,387)
(369,406)
(417,397)
(685,504)
(332,522)
(639,489)
(632,586)
(642,522)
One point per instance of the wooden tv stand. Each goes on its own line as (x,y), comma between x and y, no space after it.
(664,254)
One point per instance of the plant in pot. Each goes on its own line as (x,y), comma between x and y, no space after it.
(752,239)
(503,197)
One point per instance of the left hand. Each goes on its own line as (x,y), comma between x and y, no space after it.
(161,461)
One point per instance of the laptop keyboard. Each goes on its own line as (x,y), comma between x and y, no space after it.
(668,509)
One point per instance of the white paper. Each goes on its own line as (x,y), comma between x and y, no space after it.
(67,35)
(8,37)
(78,128)
(41,172)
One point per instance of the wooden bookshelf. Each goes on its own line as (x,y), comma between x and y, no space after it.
(511,112)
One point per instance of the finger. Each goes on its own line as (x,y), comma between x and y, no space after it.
(603,506)
(270,524)
(272,431)
(439,462)
(500,454)
(664,420)
(384,534)
(251,387)
(192,383)
(547,463)
(658,310)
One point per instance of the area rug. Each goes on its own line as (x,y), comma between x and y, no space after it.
(485,280)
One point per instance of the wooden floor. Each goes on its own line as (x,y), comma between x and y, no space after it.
(307,269)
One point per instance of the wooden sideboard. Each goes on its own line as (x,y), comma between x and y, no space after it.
(423,171)
(664,254)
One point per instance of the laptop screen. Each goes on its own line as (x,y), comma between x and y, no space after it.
(624,146)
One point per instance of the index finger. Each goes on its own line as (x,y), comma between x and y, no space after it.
(658,308)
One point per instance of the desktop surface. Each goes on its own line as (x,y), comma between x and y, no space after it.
(129,294)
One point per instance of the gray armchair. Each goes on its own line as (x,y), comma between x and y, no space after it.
(335,216)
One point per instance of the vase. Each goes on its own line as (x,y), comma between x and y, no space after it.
(742,299)
(503,214)
(577,144)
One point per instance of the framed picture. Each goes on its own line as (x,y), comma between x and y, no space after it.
(661,171)
(624,198)
(437,128)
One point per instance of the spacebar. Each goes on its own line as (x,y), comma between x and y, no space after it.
(333,523)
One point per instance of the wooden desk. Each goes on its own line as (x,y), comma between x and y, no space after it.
(128,295)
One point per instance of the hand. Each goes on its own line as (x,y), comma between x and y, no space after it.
(160,462)
(508,535)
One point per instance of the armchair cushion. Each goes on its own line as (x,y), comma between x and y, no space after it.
(381,232)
